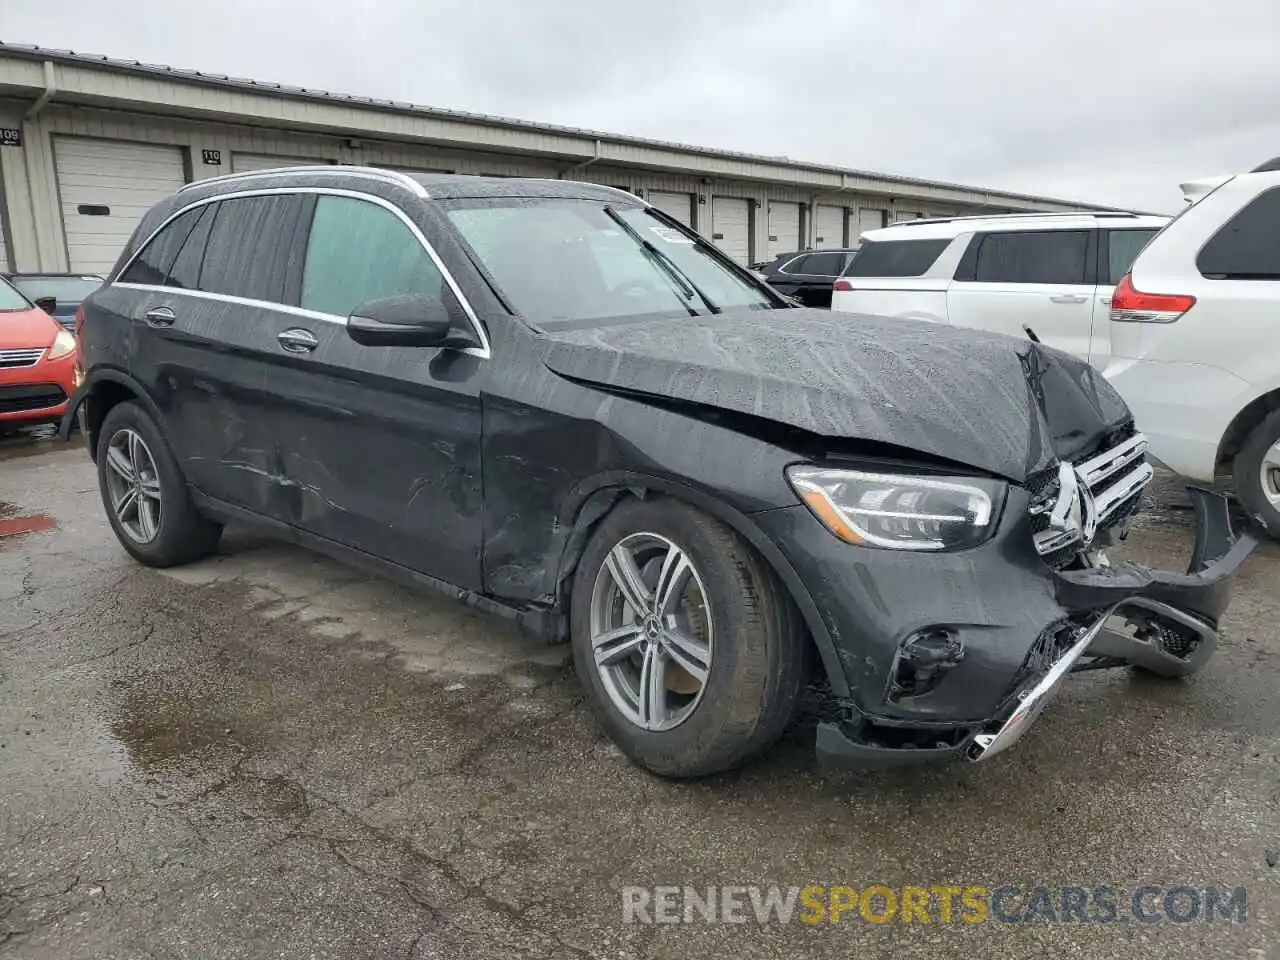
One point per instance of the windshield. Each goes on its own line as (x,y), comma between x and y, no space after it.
(62,289)
(11,299)
(561,261)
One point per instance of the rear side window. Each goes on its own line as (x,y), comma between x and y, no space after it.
(152,263)
(1246,247)
(359,251)
(185,272)
(1050,256)
(822,265)
(251,247)
(895,258)
(1123,247)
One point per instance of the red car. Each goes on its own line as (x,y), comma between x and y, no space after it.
(37,363)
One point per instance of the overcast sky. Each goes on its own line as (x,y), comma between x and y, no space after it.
(1105,102)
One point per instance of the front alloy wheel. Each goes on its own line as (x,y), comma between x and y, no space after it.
(651,631)
(133,485)
(1270,475)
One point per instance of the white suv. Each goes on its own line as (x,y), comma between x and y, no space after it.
(1195,338)
(1052,273)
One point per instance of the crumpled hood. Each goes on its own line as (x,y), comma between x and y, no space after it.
(1004,405)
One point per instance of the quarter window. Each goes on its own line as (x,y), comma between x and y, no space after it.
(359,251)
(152,263)
(1050,256)
(895,258)
(1123,247)
(1247,247)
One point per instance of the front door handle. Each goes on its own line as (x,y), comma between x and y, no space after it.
(1069,298)
(297,340)
(160,317)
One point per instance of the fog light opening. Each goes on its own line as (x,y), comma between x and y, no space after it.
(923,659)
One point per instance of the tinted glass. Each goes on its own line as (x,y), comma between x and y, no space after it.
(153,262)
(895,258)
(822,265)
(1051,256)
(185,272)
(250,246)
(1123,247)
(795,265)
(569,260)
(63,289)
(1247,247)
(359,251)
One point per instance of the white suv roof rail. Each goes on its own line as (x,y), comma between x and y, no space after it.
(1018,216)
(373,173)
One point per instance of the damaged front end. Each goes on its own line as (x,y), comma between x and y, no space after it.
(1110,615)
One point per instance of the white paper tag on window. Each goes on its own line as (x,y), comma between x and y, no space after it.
(671,235)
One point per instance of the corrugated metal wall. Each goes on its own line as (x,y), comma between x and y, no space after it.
(31,205)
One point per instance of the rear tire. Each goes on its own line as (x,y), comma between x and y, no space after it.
(707,716)
(1257,473)
(145,494)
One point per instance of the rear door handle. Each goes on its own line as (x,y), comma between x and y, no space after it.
(297,340)
(160,317)
(1069,298)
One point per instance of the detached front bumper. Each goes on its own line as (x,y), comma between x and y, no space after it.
(1022,629)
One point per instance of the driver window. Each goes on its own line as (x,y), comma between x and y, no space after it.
(359,251)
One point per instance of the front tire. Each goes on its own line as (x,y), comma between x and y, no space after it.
(1257,473)
(690,651)
(145,494)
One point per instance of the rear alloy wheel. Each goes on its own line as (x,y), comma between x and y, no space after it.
(145,494)
(133,485)
(689,648)
(1257,473)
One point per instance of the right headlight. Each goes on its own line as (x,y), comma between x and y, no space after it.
(900,511)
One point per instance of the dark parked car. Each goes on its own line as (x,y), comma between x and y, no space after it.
(58,294)
(807,275)
(548,400)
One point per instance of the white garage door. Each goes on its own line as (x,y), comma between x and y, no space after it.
(678,206)
(784,227)
(828,227)
(731,226)
(105,187)
(244,162)
(869,220)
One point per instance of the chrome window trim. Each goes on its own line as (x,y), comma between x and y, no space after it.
(395,177)
(484,351)
(798,256)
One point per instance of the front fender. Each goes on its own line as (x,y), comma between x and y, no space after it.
(592,499)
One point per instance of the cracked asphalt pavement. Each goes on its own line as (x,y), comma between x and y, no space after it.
(269,754)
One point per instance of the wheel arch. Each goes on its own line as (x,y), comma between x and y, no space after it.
(104,389)
(593,501)
(1243,423)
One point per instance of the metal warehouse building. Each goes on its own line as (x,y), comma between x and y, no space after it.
(88,144)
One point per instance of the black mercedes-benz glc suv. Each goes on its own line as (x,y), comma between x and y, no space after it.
(550,400)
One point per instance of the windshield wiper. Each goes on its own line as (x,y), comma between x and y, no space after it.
(665,263)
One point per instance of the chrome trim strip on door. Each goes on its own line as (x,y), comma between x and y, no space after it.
(484,351)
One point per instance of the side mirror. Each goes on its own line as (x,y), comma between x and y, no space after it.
(47,304)
(415,320)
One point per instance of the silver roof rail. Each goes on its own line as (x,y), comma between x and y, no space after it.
(372,173)
(1017,216)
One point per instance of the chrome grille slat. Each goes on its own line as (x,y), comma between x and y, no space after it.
(10,359)
(1092,493)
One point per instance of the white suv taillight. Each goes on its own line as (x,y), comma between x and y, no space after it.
(843,285)
(1129,305)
